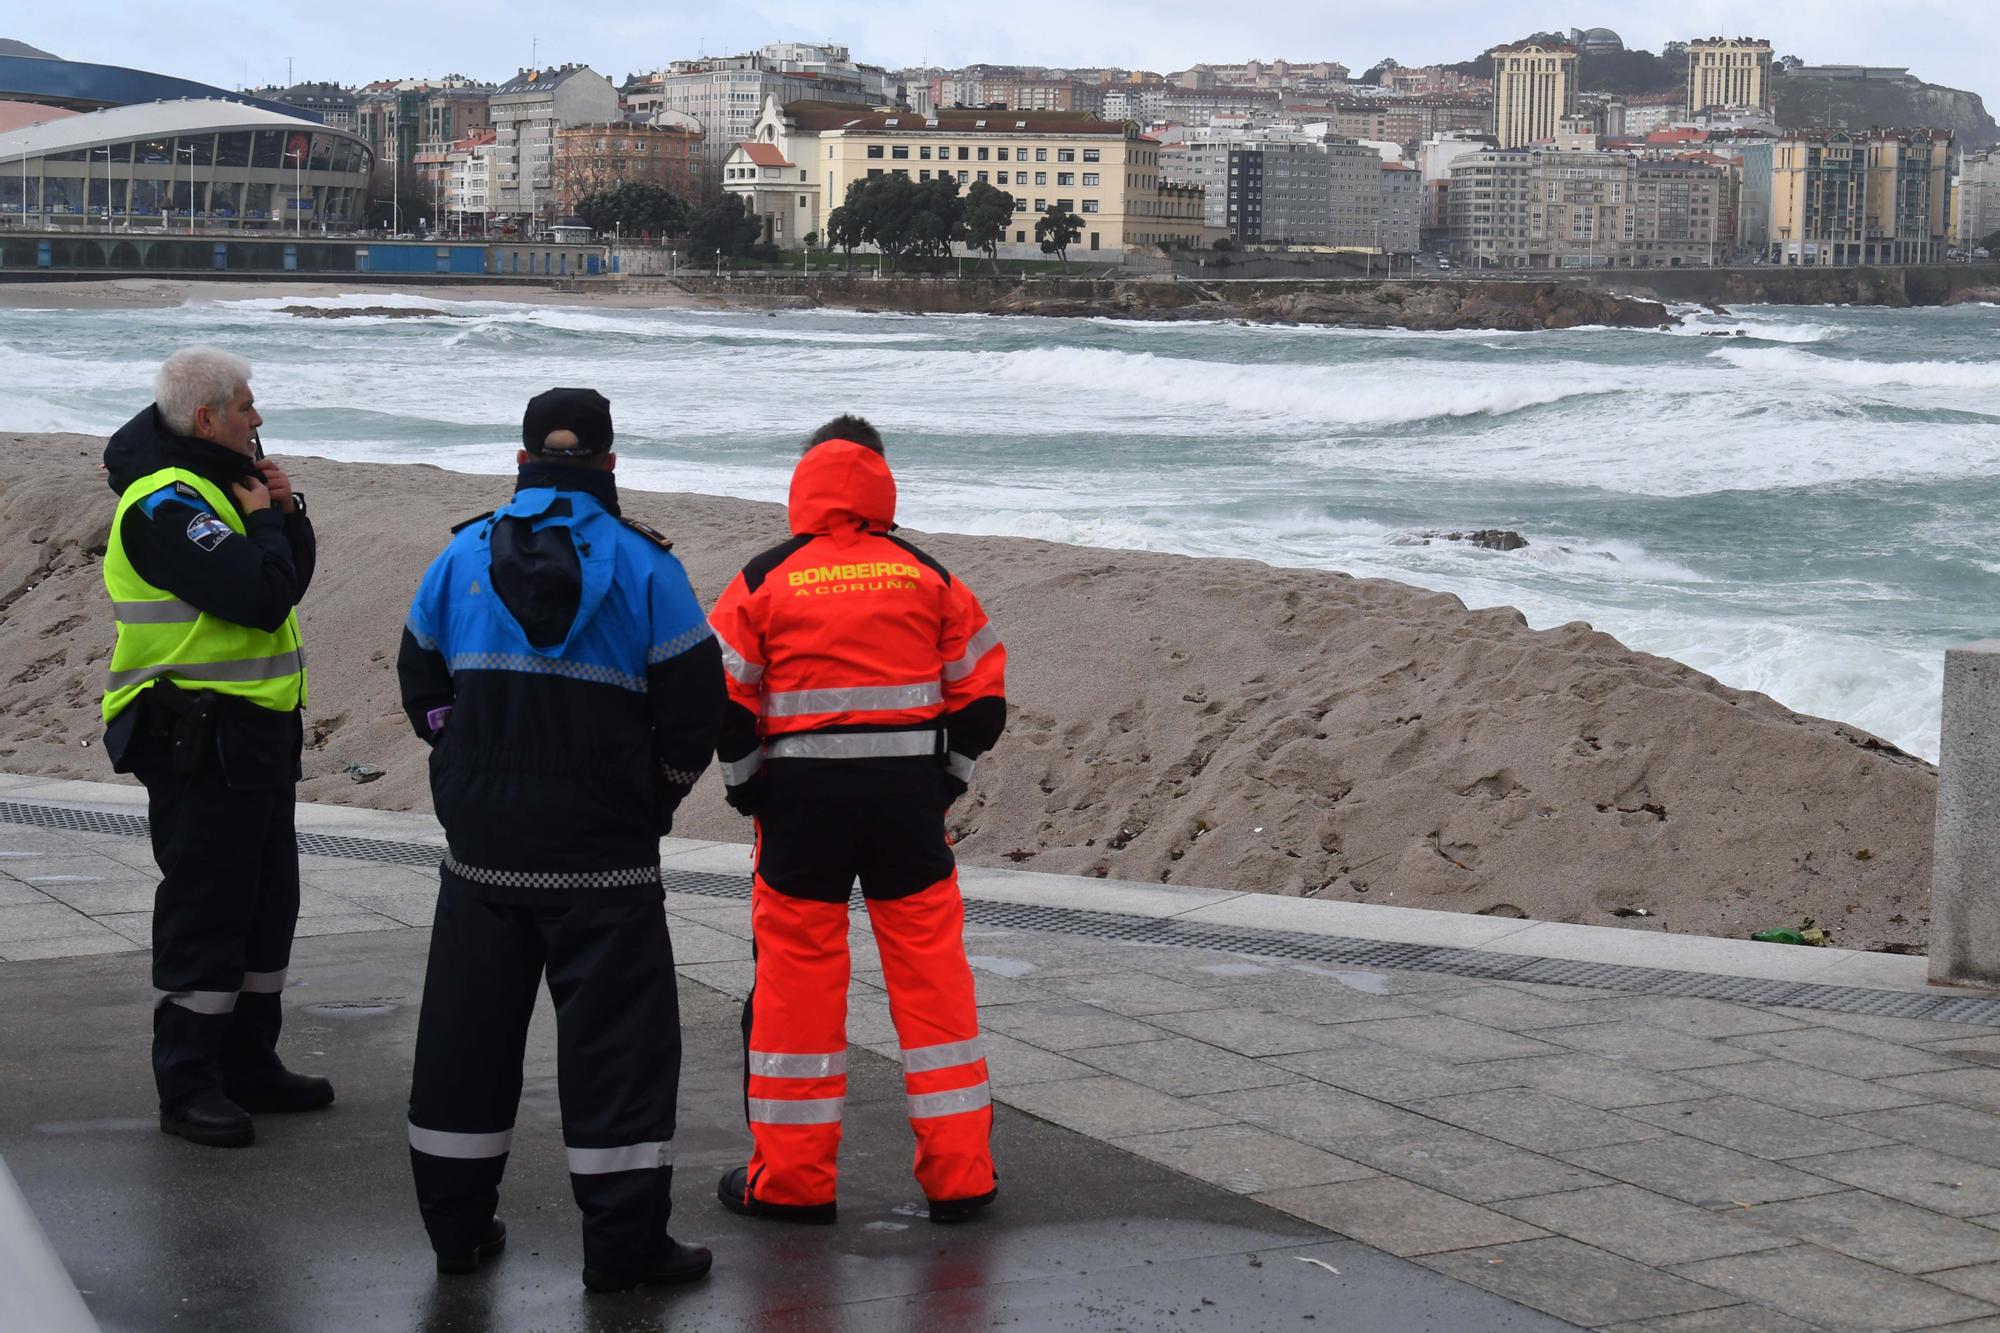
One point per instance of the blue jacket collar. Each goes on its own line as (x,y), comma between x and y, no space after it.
(594,482)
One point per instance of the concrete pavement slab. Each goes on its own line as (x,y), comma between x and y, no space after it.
(1955,1131)
(1532,1119)
(1389,1074)
(1183,1066)
(46,920)
(1470,1166)
(1724,1319)
(1833,1291)
(1700,1173)
(1592,1080)
(1687,1015)
(1948,1185)
(95,939)
(1878,1231)
(1646,1046)
(1977,1088)
(1845,1052)
(1798,1087)
(1449,1038)
(1399,1217)
(1576,1282)
(1642,1226)
(1754,1128)
(1243,1159)
(1318,1115)
(1514,1010)
(1065,1025)
(1253,1031)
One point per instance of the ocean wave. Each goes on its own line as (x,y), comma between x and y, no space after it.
(1332,395)
(1822,370)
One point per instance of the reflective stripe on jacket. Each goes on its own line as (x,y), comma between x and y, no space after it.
(161,637)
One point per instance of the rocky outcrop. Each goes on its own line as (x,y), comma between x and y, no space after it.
(1421,305)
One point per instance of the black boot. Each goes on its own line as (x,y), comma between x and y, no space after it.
(210,1119)
(734,1191)
(947,1211)
(279,1089)
(677,1263)
(460,1262)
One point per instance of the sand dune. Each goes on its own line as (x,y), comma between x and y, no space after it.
(1204,722)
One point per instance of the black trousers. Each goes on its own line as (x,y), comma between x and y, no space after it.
(610,973)
(223,919)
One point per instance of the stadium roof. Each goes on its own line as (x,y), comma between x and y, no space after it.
(152,119)
(83,87)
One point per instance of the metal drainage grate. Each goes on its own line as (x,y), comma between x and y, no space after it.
(1118,928)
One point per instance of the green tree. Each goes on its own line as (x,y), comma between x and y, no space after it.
(1056,231)
(902,218)
(635,208)
(1992,243)
(724,226)
(844,230)
(988,213)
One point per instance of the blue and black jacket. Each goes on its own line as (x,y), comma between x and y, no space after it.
(558,663)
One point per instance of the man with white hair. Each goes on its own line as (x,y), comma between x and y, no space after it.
(209,553)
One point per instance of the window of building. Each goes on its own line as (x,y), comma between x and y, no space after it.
(1021,204)
(874,150)
(1041,178)
(1065,178)
(1066,205)
(1090,205)
(1021,237)
(961,178)
(1065,154)
(1090,155)
(964,153)
(982,177)
(1041,155)
(1090,178)
(901,151)
(924,175)
(1041,205)
(802,201)
(874,171)
(924,153)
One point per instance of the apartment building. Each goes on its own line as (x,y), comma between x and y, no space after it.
(1284,185)
(1534,87)
(527,111)
(1540,208)
(593,158)
(1976,211)
(468,198)
(726,95)
(1729,72)
(802,158)
(1859,197)
(331,103)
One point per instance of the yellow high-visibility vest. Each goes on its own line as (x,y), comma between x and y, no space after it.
(161,637)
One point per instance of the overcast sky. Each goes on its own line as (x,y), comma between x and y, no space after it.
(231,44)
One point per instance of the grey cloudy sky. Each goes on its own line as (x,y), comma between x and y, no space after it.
(1957,44)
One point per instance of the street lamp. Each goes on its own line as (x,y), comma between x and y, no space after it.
(189,150)
(106,150)
(298,156)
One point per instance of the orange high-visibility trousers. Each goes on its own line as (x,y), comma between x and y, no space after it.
(796,1065)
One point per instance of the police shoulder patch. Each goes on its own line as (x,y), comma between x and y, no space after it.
(652,535)
(456,527)
(207,531)
(182,488)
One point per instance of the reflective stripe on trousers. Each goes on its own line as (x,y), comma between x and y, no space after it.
(630,1157)
(198,1001)
(771,1064)
(447,1143)
(957,1101)
(813,1111)
(264,983)
(855,699)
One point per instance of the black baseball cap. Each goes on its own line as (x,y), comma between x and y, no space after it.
(586,413)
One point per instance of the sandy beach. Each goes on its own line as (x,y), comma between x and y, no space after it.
(165,293)
(1206,722)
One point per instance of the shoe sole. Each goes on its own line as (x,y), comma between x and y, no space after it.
(950,1212)
(210,1138)
(479,1257)
(607,1286)
(802,1214)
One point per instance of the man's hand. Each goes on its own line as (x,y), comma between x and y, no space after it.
(279,485)
(251,495)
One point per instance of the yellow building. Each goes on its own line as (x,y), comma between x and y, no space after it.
(1534,87)
(1860,197)
(1729,71)
(1104,171)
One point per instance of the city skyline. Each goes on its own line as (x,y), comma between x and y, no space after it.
(1947,44)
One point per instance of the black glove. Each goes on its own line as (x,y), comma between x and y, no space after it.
(951,785)
(748,798)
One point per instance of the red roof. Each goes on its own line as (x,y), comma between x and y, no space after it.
(764,154)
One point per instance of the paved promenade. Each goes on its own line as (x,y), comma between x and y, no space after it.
(1478,1122)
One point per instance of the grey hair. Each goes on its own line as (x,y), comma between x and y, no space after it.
(197,377)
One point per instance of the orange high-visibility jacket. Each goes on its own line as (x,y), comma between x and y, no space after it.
(848,642)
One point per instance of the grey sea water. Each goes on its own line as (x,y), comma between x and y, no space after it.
(1800,501)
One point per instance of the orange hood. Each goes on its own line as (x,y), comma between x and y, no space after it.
(840,487)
